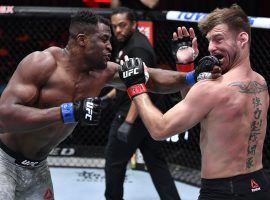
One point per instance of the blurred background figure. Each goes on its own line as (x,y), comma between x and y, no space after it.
(127,131)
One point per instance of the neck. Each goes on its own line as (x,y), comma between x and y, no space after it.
(243,65)
(76,60)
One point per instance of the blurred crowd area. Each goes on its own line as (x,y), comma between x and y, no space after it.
(251,7)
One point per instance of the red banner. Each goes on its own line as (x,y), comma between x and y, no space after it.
(146,27)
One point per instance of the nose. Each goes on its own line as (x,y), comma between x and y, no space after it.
(109,46)
(118,29)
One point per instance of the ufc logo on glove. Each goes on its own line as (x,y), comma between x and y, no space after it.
(130,72)
(89,110)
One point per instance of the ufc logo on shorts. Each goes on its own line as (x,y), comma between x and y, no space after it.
(130,72)
(89,110)
(29,163)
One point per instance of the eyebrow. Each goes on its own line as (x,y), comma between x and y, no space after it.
(119,23)
(107,34)
(214,35)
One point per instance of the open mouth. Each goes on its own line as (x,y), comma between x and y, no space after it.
(219,57)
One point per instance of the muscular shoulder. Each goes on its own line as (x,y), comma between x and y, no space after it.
(208,92)
(261,79)
(207,86)
(39,59)
(39,64)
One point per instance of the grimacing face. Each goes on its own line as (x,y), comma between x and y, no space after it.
(99,47)
(122,27)
(224,44)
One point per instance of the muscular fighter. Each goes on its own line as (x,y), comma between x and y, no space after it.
(232,111)
(52,91)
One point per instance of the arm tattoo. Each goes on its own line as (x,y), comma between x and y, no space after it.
(252,87)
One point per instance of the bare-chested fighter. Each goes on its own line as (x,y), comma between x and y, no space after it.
(49,94)
(232,111)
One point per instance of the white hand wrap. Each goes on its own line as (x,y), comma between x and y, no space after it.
(204,75)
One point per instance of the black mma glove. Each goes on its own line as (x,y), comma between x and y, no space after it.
(206,64)
(179,44)
(132,74)
(86,112)
(123,131)
(105,101)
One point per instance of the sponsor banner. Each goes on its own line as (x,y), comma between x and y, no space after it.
(77,151)
(65,151)
(102,1)
(6,9)
(256,22)
(146,28)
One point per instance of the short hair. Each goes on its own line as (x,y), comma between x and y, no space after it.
(104,20)
(83,22)
(233,16)
(130,13)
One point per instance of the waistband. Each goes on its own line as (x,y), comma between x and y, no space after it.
(19,159)
(245,183)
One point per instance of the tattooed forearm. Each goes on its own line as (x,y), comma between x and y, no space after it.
(252,87)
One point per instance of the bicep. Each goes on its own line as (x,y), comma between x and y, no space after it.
(30,75)
(188,112)
(20,92)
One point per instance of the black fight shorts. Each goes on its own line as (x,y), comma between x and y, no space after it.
(252,186)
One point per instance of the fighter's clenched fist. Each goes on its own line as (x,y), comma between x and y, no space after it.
(86,112)
(132,72)
(204,70)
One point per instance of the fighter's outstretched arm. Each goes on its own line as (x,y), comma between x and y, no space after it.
(16,112)
(166,81)
(183,116)
(178,119)
(160,81)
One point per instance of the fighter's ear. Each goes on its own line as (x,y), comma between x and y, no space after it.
(81,39)
(243,38)
(134,25)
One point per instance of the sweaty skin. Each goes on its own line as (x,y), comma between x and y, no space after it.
(232,139)
(30,119)
(232,111)
(41,83)
(46,85)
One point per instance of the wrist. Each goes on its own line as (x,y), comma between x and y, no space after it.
(185,67)
(190,78)
(67,113)
(135,90)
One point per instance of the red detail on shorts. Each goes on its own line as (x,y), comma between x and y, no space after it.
(185,67)
(254,184)
(136,89)
(48,195)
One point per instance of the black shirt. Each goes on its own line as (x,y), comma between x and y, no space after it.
(137,46)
